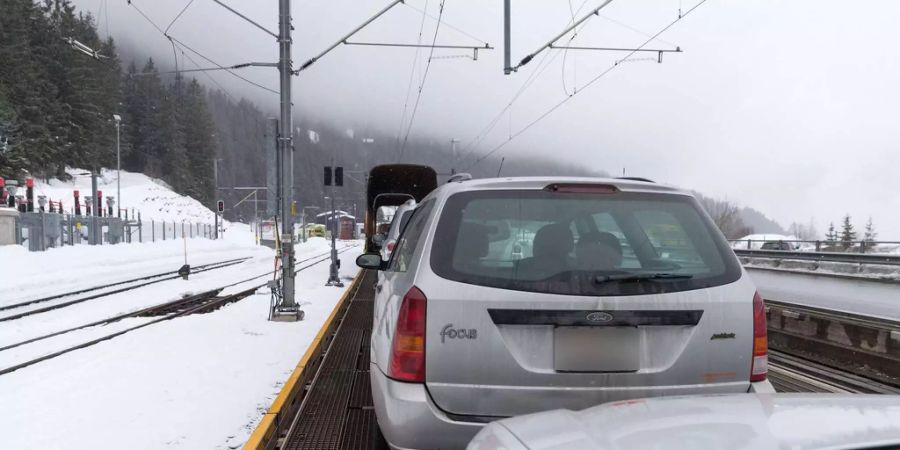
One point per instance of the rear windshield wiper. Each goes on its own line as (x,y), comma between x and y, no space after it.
(600,279)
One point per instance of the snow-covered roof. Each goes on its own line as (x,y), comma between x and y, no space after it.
(338,214)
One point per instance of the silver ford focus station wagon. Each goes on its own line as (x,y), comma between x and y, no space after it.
(510,296)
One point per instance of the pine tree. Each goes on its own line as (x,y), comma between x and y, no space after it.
(198,131)
(831,236)
(27,87)
(847,233)
(870,234)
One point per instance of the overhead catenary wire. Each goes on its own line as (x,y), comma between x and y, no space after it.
(211,78)
(566,53)
(182,45)
(178,16)
(412,116)
(531,55)
(585,86)
(412,74)
(629,27)
(541,67)
(446,24)
(206,69)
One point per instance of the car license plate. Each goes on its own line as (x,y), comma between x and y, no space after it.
(596,349)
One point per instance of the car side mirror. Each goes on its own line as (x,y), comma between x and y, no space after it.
(371,261)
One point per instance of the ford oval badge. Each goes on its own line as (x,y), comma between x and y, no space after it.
(599,316)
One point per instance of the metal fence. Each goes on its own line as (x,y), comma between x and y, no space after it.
(817,246)
(837,257)
(40,231)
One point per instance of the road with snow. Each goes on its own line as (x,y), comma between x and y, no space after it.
(866,297)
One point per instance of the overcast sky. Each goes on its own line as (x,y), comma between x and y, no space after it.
(791,107)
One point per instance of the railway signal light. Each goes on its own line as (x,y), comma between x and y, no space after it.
(337,179)
(220,206)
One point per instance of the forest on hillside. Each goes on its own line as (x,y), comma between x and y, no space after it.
(57,104)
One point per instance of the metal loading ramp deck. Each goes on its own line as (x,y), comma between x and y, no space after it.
(337,411)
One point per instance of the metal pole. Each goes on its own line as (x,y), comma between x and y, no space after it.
(453,143)
(285,68)
(507,56)
(118,172)
(333,278)
(94,204)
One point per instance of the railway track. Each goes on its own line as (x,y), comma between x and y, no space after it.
(844,342)
(193,304)
(790,373)
(154,279)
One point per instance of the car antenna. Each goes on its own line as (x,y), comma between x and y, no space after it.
(501,166)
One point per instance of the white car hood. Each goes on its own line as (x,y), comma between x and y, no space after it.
(737,421)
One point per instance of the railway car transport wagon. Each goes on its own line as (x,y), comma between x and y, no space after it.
(392,185)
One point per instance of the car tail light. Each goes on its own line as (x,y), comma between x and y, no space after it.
(760,365)
(390,245)
(582,188)
(408,353)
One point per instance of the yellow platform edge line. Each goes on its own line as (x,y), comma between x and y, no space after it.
(265,430)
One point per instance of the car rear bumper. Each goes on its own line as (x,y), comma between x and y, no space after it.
(409,420)
(761,387)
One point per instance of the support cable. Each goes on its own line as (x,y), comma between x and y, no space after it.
(412,73)
(585,86)
(446,24)
(181,44)
(470,148)
(412,116)
(178,16)
(340,41)
(531,55)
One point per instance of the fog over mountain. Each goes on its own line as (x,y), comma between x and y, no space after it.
(759,108)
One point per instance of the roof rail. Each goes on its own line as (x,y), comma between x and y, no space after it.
(459,178)
(646,180)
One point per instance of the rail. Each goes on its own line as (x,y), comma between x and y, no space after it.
(790,373)
(167,276)
(198,303)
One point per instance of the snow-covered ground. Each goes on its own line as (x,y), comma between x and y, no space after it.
(196,382)
(152,197)
(200,381)
(38,274)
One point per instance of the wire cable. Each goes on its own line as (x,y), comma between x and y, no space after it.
(221,88)
(541,67)
(185,46)
(412,74)
(629,27)
(446,24)
(566,52)
(178,16)
(586,85)
(412,116)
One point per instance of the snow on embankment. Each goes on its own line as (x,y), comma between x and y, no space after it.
(152,197)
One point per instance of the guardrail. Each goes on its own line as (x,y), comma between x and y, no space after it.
(853,258)
(817,245)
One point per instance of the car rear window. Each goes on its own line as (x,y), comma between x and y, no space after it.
(580,243)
